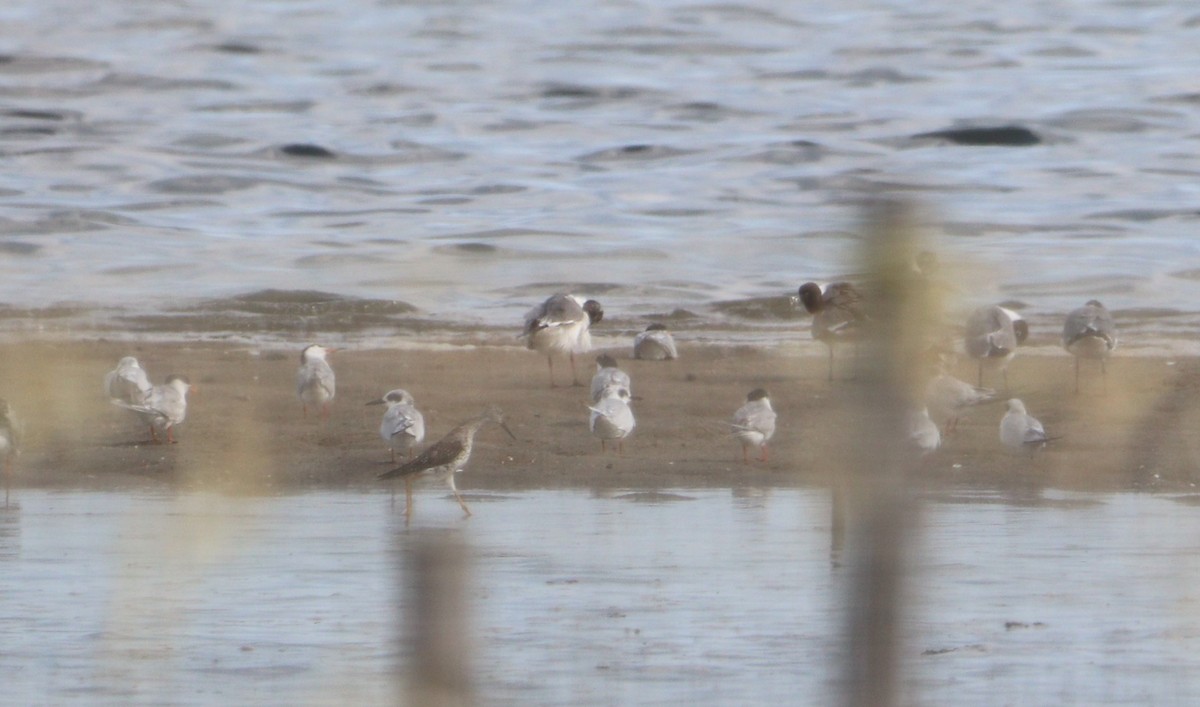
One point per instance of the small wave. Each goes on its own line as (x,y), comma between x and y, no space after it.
(633,153)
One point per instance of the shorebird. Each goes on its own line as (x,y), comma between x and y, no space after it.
(315,384)
(1090,333)
(127,382)
(164,407)
(949,397)
(1021,431)
(11,432)
(446,457)
(923,432)
(992,336)
(560,326)
(608,374)
(403,425)
(655,344)
(837,313)
(754,424)
(612,418)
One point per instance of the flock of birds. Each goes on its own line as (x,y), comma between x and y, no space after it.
(559,327)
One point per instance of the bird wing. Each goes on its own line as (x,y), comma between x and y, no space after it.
(445,451)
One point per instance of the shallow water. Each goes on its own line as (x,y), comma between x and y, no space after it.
(704,596)
(468,158)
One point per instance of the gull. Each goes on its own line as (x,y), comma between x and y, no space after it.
(837,313)
(923,432)
(1089,333)
(949,397)
(403,425)
(612,418)
(446,457)
(754,423)
(608,374)
(127,382)
(315,384)
(1020,430)
(560,326)
(164,407)
(655,344)
(992,336)
(11,432)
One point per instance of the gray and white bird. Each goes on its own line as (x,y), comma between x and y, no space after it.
(608,373)
(11,432)
(403,425)
(655,344)
(992,336)
(923,432)
(754,424)
(611,417)
(1021,431)
(947,398)
(838,315)
(127,382)
(560,326)
(315,382)
(164,407)
(446,457)
(1089,332)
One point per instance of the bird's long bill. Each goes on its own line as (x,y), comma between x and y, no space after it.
(510,432)
(380,401)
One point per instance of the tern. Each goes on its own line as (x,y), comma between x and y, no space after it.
(164,407)
(754,423)
(612,418)
(315,384)
(992,336)
(127,382)
(1021,431)
(655,344)
(608,374)
(403,425)
(1089,332)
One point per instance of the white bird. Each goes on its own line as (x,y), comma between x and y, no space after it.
(127,382)
(165,407)
(560,326)
(608,374)
(948,397)
(754,423)
(1020,430)
(1089,332)
(612,418)
(11,432)
(655,344)
(923,433)
(403,425)
(992,336)
(315,383)
(837,313)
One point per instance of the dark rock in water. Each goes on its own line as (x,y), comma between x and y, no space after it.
(1004,136)
(237,48)
(301,149)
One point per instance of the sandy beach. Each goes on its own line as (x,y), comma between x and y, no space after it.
(245,431)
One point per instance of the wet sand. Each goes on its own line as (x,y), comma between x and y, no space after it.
(245,431)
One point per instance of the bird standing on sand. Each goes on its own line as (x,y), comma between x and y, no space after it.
(403,425)
(655,344)
(11,432)
(923,432)
(1021,431)
(315,384)
(754,423)
(164,407)
(949,397)
(612,418)
(992,336)
(608,374)
(127,382)
(837,313)
(446,457)
(560,326)
(1090,333)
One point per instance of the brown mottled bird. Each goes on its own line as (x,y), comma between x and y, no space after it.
(837,313)
(446,457)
